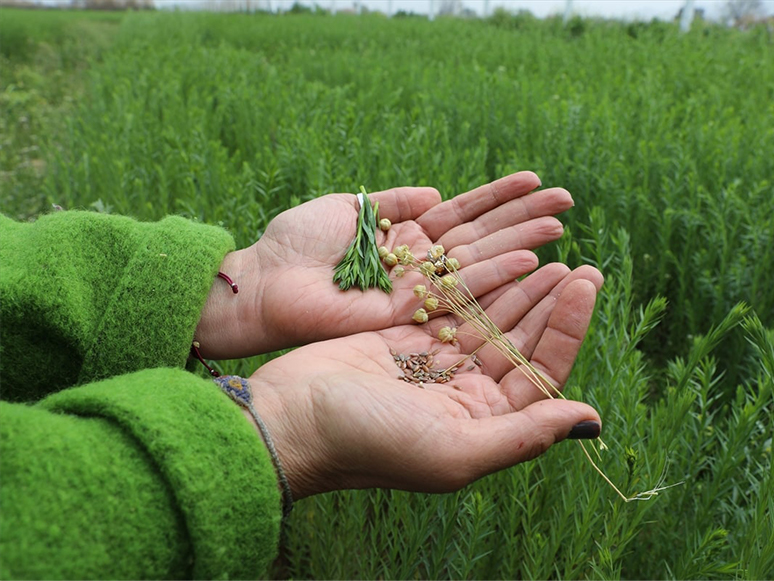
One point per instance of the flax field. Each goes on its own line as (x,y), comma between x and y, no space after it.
(665,140)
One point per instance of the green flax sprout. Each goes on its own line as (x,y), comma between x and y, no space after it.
(361,265)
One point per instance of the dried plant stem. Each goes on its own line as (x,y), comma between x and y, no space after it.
(463,304)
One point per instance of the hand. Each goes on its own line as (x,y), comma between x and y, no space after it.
(286,292)
(340,417)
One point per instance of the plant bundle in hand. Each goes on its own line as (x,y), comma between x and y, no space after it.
(361,265)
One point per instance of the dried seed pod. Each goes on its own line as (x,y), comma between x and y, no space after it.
(390,259)
(427,268)
(448,335)
(449,281)
(436,252)
(420,291)
(431,303)
(398,271)
(420,316)
(384,224)
(383,251)
(453,264)
(401,251)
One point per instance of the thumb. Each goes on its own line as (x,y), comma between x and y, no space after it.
(503,441)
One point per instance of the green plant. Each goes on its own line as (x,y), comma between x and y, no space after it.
(660,137)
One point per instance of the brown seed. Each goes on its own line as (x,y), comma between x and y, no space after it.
(470,368)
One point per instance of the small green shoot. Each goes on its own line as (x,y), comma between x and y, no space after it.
(361,265)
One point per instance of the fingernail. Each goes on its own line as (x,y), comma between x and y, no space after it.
(585,430)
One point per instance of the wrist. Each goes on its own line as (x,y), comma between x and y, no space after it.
(227,328)
(299,451)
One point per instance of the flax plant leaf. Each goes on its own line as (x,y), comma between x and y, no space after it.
(361,265)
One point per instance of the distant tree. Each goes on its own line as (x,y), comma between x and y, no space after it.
(299,8)
(408,14)
(740,12)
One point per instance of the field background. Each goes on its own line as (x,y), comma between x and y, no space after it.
(666,142)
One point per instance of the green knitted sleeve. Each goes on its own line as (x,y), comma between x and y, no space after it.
(155,474)
(85,296)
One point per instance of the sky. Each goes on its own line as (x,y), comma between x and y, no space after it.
(623,9)
(619,9)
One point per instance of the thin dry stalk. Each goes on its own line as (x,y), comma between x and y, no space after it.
(463,304)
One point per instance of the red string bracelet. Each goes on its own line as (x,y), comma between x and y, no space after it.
(195,345)
(195,352)
(230,282)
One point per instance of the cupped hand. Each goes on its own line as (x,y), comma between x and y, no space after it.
(340,417)
(286,292)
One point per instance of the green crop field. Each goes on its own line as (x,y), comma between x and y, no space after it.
(666,142)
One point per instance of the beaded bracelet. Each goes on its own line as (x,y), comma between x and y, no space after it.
(238,389)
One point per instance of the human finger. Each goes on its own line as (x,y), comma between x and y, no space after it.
(517,212)
(559,344)
(525,328)
(466,207)
(527,235)
(405,203)
(491,444)
(506,310)
(485,276)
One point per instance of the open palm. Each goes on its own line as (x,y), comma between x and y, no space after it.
(294,301)
(341,417)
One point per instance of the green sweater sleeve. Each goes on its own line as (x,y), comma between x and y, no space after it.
(85,296)
(156,474)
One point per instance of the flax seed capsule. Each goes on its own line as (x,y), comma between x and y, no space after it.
(447,335)
(448,281)
(427,268)
(436,252)
(420,316)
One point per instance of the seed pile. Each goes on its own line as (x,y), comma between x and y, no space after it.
(418,368)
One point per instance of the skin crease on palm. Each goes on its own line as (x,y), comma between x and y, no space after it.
(337,411)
